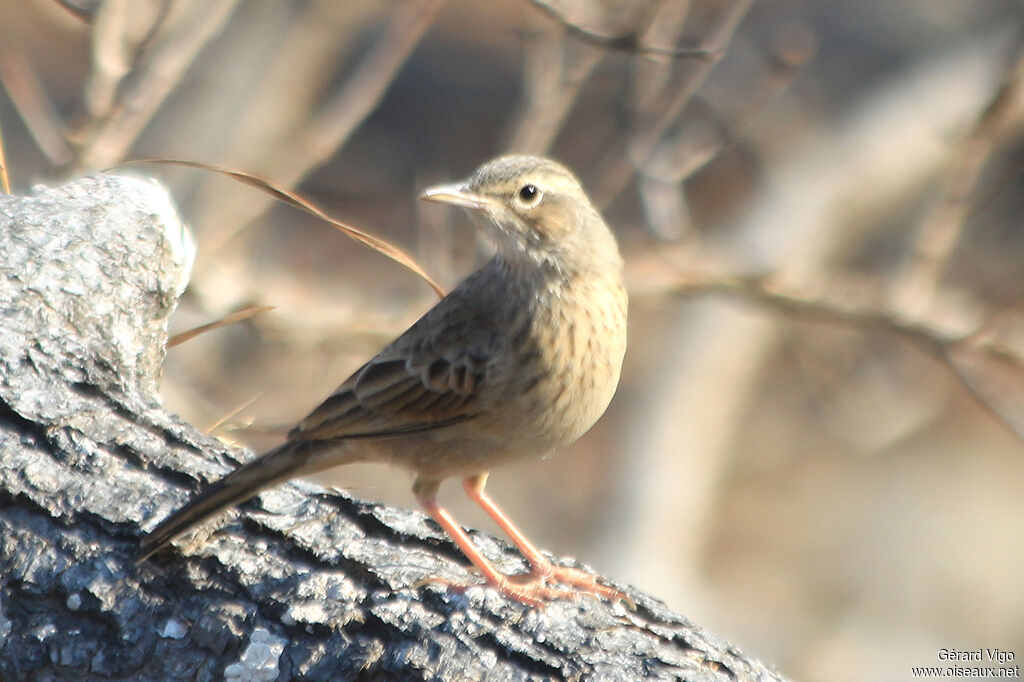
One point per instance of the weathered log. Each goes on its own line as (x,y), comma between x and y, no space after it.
(300,583)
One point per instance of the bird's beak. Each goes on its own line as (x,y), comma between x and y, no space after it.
(455,194)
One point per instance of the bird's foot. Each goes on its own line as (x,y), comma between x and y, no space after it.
(525,589)
(542,585)
(581,582)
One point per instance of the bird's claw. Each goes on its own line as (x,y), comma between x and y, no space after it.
(537,588)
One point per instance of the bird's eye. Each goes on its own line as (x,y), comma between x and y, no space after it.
(529,194)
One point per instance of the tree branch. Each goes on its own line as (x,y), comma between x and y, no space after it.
(950,349)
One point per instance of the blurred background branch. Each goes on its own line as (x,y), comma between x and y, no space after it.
(819,204)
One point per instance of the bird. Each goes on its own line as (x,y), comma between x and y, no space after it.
(517,362)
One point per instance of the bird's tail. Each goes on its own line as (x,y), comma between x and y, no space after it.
(286,461)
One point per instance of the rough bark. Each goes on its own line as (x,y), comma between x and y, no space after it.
(300,583)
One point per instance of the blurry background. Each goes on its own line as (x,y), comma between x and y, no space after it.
(816,449)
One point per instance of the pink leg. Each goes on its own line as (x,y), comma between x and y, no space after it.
(531,593)
(474,487)
(543,571)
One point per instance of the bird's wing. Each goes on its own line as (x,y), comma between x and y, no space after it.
(388,397)
(429,378)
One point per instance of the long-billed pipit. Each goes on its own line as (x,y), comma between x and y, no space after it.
(518,361)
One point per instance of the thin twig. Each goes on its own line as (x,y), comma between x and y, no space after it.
(122,33)
(363,91)
(78,11)
(940,229)
(621,160)
(718,40)
(167,61)
(34,105)
(553,79)
(934,342)
(756,290)
(294,155)
(629,41)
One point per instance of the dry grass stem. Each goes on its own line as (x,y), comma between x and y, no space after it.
(296,201)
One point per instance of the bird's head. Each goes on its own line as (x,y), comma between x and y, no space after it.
(539,213)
